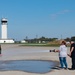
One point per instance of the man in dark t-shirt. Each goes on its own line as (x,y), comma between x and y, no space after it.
(72,54)
(0,49)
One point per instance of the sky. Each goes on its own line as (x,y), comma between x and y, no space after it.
(31,18)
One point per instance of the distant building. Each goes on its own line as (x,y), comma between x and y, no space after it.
(23,41)
(4,38)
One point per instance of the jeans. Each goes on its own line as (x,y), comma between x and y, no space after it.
(63,62)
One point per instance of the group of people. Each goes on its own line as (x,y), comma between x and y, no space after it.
(63,54)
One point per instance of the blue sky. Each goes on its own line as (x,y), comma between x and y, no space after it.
(49,18)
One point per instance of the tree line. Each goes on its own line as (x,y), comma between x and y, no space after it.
(44,39)
(69,39)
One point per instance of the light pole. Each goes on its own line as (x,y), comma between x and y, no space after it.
(36,38)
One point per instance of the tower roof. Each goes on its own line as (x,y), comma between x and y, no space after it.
(3,20)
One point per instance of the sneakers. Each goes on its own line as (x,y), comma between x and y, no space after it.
(71,68)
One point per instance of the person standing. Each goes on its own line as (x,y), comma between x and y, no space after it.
(62,55)
(72,54)
(0,50)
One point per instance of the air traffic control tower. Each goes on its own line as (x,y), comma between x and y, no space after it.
(4,28)
(4,38)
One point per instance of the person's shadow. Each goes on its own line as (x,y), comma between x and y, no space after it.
(57,68)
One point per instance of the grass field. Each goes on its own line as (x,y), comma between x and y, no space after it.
(44,45)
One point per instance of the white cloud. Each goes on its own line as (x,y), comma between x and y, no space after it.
(53,16)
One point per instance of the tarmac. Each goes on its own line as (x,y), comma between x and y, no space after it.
(17,52)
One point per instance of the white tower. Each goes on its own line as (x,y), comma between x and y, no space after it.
(4,38)
(4,28)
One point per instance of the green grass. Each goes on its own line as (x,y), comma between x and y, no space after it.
(44,45)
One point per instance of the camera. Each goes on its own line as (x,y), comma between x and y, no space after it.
(52,50)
